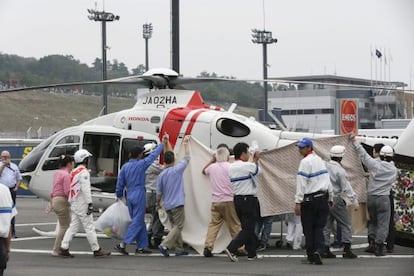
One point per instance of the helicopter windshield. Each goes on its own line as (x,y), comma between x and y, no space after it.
(67,145)
(29,163)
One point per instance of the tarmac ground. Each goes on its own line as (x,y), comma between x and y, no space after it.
(31,255)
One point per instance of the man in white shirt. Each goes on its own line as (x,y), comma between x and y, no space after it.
(7,212)
(80,198)
(10,176)
(312,188)
(241,174)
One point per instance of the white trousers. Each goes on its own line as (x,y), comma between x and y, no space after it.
(79,217)
(294,231)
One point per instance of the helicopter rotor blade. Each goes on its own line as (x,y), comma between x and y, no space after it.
(162,81)
(344,85)
(142,81)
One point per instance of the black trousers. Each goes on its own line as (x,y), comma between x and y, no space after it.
(246,209)
(3,255)
(13,195)
(156,229)
(314,214)
(391,229)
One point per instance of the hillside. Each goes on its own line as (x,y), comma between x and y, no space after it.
(23,113)
(54,111)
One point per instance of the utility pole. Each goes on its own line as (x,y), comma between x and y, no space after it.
(175,35)
(264,37)
(103,17)
(146,34)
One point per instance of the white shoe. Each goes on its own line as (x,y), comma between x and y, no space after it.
(255,258)
(231,256)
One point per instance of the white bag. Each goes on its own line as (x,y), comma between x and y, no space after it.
(114,221)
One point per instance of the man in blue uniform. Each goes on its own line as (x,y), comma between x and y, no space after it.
(132,178)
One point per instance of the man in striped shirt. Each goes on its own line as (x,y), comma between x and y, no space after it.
(241,174)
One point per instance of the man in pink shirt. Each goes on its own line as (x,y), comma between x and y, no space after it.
(222,206)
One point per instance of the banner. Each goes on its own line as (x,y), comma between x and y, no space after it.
(276,192)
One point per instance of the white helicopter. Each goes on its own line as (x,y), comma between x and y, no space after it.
(164,110)
(176,112)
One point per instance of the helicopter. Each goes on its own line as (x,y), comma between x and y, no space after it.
(165,109)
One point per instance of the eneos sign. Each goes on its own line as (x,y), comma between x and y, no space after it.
(349,117)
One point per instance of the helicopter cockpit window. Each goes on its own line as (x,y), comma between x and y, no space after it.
(64,150)
(232,128)
(29,163)
(71,139)
(68,145)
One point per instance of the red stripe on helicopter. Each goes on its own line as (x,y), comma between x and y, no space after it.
(192,121)
(175,118)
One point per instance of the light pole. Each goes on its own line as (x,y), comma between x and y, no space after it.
(175,35)
(263,37)
(103,17)
(146,34)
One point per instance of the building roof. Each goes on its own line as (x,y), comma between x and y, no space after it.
(339,80)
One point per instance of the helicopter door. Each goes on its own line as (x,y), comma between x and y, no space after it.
(128,144)
(103,163)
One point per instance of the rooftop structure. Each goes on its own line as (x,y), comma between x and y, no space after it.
(311,103)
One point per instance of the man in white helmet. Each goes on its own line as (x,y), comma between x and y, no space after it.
(80,199)
(155,228)
(339,211)
(382,174)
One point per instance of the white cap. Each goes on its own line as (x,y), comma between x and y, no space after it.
(337,151)
(387,151)
(80,155)
(148,148)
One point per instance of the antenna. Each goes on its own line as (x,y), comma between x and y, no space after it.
(232,107)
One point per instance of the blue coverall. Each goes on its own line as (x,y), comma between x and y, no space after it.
(132,175)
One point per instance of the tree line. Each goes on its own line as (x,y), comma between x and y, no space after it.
(21,71)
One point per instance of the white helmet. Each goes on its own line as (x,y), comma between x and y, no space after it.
(148,148)
(337,151)
(80,155)
(387,151)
